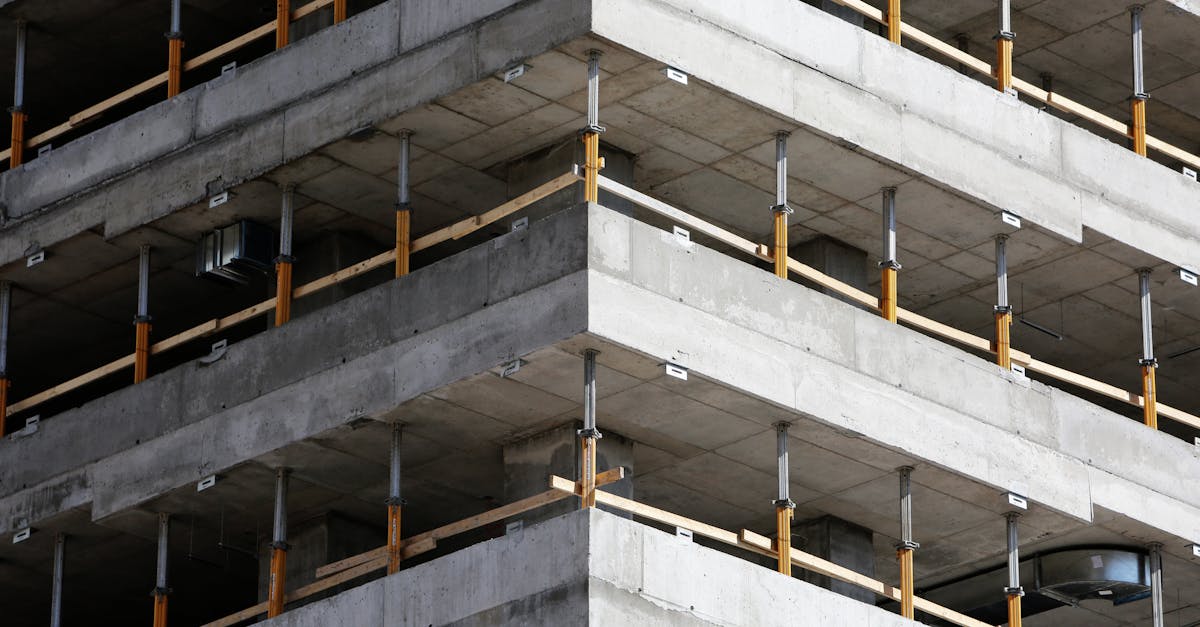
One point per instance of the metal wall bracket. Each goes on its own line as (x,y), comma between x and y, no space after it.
(1188,172)
(679,76)
(1010,219)
(217,351)
(229,69)
(206,483)
(1016,500)
(22,535)
(519,224)
(677,371)
(218,200)
(514,73)
(45,150)
(683,235)
(685,534)
(511,368)
(35,259)
(1188,277)
(514,527)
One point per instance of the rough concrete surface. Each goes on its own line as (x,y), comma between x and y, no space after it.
(588,568)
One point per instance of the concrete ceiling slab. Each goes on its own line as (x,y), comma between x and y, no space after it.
(653,407)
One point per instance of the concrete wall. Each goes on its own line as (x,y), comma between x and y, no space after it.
(588,568)
(852,370)
(364,71)
(848,83)
(362,357)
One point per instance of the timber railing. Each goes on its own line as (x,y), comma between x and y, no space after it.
(761,252)
(353,567)
(1058,101)
(95,111)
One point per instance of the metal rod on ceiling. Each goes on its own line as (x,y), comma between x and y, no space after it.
(279,547)
(175,51)
(1138,104)
(781,208)
(1148,363)
(160,584)
(589,434)
(56,586)
(394,502)
(890,266)
(17,152)
(1156,584)
(1003,312)
(403,205)
(1013,592)
(141,353)
(283,263)
(784,506)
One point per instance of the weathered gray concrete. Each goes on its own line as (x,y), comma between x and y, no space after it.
(843,543)
(848,368)
(377,349)
(175,154)
(814,68)
(588,568)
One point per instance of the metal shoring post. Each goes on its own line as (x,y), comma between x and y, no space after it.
(1138,105)
(784,506)
(141,352)
(1004,48)
(781,208)
(591,134)
(1156,584)
(893,21)
(403,206)
(904,551)
(283,19)
(887,299)
(279,547)
(394,502)
(5,308)
(1014,591)
(339,11)
(1002,309)
(588,435)
(17,153)
(174,51)
(283,263)
(56,589)
(160,585)
(1148,362)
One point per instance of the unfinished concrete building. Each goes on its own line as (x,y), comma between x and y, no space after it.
(607,312)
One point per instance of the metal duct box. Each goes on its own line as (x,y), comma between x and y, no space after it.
(235,253)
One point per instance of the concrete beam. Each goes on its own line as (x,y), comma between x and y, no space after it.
(362,72)
(594,568)
(822,72)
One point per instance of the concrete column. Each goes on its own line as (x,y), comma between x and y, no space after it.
(843,543)
(530,461)
(526,173)
(836,259)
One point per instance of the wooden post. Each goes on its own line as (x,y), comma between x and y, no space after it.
(1004,48)
(175,51)
(283,19)
(339,11)
(893,21)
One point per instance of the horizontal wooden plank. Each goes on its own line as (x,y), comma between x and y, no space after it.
(763,545)
(665,517)
(200,330)
(67,386)
(469,225)
(345,274)
(559,489)
(828,282)
(943,330)
(915,34)
(248,313)
(232,45)
(675,215)
(865,9)
(125,96)
(1173,152)
(235,618)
